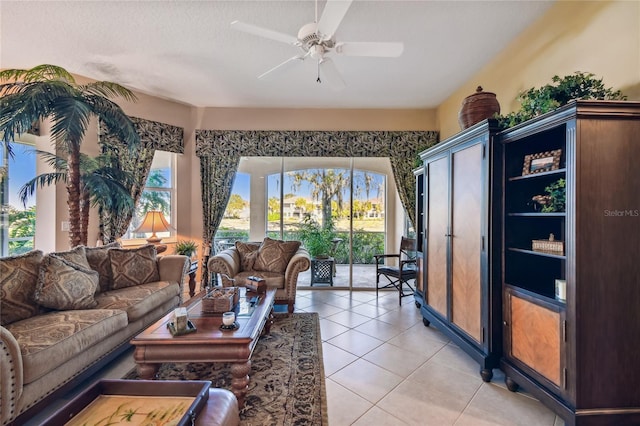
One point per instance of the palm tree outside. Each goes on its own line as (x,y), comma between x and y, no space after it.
(51,92)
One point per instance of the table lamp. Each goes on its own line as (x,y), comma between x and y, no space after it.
(153,222)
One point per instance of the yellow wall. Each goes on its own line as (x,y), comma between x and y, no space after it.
(600,37)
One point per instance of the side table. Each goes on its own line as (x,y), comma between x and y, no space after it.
(322,271)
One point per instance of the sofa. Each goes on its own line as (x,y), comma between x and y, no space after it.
(64,315)
(277,262)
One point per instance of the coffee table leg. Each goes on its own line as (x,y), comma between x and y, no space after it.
(147,371)
(240,380)
(268,323)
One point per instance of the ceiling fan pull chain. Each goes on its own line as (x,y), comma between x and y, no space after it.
(318,80)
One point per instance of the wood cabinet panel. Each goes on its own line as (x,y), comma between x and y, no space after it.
(535,337)
(437,228)
(466,240)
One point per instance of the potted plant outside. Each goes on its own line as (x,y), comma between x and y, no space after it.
(317,238)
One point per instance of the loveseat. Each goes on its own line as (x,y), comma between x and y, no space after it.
(64,315)
(277,262)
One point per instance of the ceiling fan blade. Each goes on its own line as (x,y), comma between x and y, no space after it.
(332,15)
(330,73)
(283,66)
(388,50)
(264,32)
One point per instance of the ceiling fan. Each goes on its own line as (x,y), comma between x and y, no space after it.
(316,40)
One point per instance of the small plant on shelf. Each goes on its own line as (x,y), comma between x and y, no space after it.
(186,247)
(554,200)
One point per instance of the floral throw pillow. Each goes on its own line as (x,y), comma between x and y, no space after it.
(134,266)
(274,255)
(76,255)
(248,253)
(18,280)
(64,285)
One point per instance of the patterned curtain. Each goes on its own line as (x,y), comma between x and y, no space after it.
(153,136)
(220,152)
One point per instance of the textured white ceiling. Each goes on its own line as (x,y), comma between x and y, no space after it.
(186,51)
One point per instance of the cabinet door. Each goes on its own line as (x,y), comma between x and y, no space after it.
(533,336)
(437,229)
(466,248)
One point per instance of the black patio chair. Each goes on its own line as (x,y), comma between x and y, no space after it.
(399,276)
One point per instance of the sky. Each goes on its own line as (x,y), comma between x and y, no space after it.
(22,168)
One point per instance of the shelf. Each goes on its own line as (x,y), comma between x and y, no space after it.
(538,253)
(536,175)
(532,294)
(536,214)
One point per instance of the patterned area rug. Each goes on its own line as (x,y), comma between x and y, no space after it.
(287,375)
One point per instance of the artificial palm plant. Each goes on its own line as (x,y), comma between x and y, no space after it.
(51,92)
(101,184)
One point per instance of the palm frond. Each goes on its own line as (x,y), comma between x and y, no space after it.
(29,188)
(108,89)
(70,118)
(117,122)
(54,161)
(38,73)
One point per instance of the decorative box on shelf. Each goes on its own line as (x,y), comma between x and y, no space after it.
(548,246)
(220,300)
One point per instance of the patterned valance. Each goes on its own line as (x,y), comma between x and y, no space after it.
(295,143)
(153,136)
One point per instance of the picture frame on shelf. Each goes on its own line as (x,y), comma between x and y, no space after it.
(541,162)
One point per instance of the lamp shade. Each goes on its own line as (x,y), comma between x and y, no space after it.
(153,222)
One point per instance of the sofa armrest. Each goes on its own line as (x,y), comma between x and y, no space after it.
(226,262)
(173,267)
(301,261)
(11,374)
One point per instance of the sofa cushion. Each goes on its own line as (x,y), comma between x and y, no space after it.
(18,280)
(139,300)
(248,253)
(98,259)
(274,255)
(76,255)
(131,267)
(65,285)
(46,341)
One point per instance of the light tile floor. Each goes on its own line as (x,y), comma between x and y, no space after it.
(383,367)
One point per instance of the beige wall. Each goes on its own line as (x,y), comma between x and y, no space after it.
(600,37)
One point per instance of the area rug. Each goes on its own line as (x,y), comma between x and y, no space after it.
(287,375)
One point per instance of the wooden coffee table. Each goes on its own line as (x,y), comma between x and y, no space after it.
(209,343)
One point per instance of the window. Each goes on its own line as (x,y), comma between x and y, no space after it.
(236,220)
(17,221)
(158,194)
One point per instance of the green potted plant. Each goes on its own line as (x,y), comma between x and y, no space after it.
(535,102)
(186,247)
(317,238)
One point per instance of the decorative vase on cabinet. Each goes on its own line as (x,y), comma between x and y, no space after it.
(576,351)
(462,294)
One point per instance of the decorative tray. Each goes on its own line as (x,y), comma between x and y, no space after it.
(138,402)
(174,332)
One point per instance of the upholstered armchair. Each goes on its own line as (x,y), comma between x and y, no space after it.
(277,262)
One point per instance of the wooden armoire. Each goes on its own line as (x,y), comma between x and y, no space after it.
(460,286)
